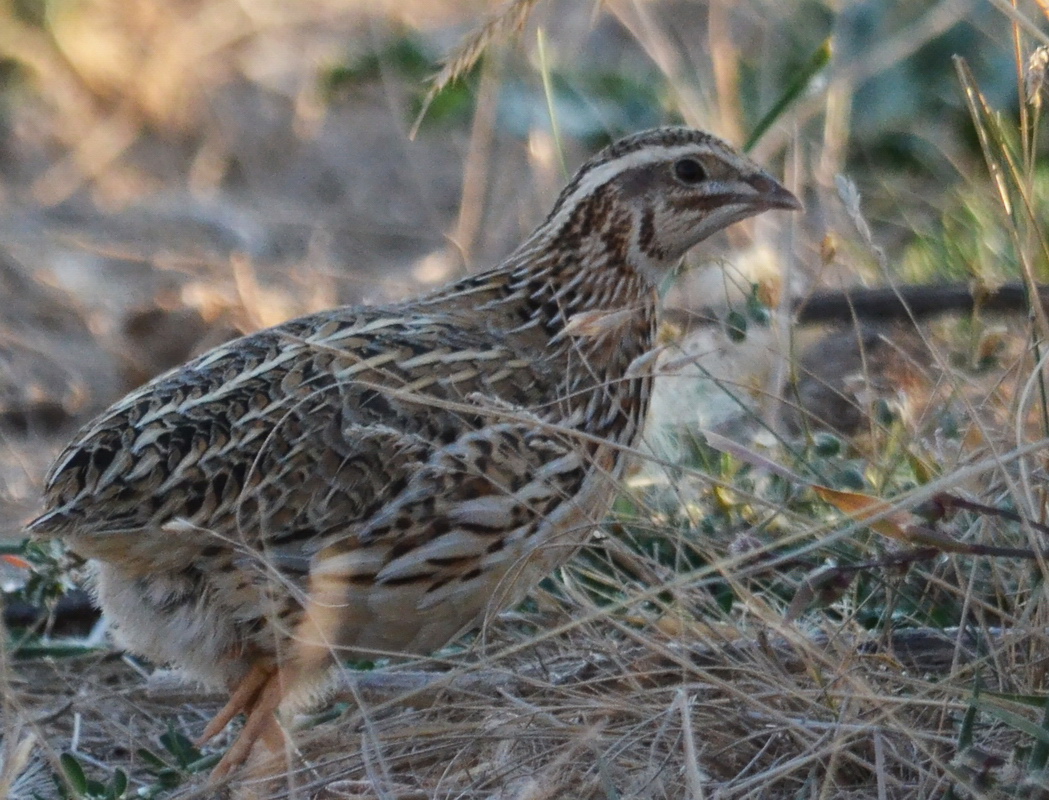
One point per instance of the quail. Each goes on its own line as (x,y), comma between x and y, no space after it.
(377,479)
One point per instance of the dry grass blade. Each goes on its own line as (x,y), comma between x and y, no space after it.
(16,759)
(1001,163)
(507,22)
(1021,20)
(849,195)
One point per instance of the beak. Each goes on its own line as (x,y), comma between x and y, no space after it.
(772,194)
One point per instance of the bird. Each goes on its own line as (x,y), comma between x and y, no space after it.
(379,480)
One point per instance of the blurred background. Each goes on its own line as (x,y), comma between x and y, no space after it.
(173,173)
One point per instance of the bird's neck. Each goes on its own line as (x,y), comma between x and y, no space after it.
(580,260)
(575,300)
(574,288)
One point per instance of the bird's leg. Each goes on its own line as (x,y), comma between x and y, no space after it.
(262,725)
(243,698)
(262,691)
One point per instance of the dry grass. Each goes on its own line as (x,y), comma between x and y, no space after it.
(177,177)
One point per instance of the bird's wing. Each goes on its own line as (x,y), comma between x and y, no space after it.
(489,491)
(475,527)
(284,435)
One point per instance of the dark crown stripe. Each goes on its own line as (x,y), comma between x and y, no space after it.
(662,137)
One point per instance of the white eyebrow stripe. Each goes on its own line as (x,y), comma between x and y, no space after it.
(603,173)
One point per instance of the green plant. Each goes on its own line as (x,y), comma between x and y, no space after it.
(74,784)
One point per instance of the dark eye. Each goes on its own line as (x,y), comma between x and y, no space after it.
(688,170)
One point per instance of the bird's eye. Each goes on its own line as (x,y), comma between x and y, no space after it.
(688,170)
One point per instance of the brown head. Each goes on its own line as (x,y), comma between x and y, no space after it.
(650,197)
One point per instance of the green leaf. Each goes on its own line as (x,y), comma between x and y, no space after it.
(179,746)
(817,61)
(169,778)
(548,91)
(60,786)
(151,759)
(406,57)
(1011,719)
(1040,752)
(883,412)
(826,444)
(850,478)
(118,785)
(736,326)
(965,732)
(73,772)
(204,763)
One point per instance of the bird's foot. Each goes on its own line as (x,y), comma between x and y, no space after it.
(258,695)
(243,699)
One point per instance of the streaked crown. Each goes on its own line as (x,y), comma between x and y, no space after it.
(650,197)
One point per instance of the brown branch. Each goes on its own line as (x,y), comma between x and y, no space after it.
(887,304)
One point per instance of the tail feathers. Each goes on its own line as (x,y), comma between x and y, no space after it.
(52,523)
(74,523)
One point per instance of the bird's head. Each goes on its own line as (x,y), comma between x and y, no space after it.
(652,196)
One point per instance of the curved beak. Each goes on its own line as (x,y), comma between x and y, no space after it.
(772,194)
